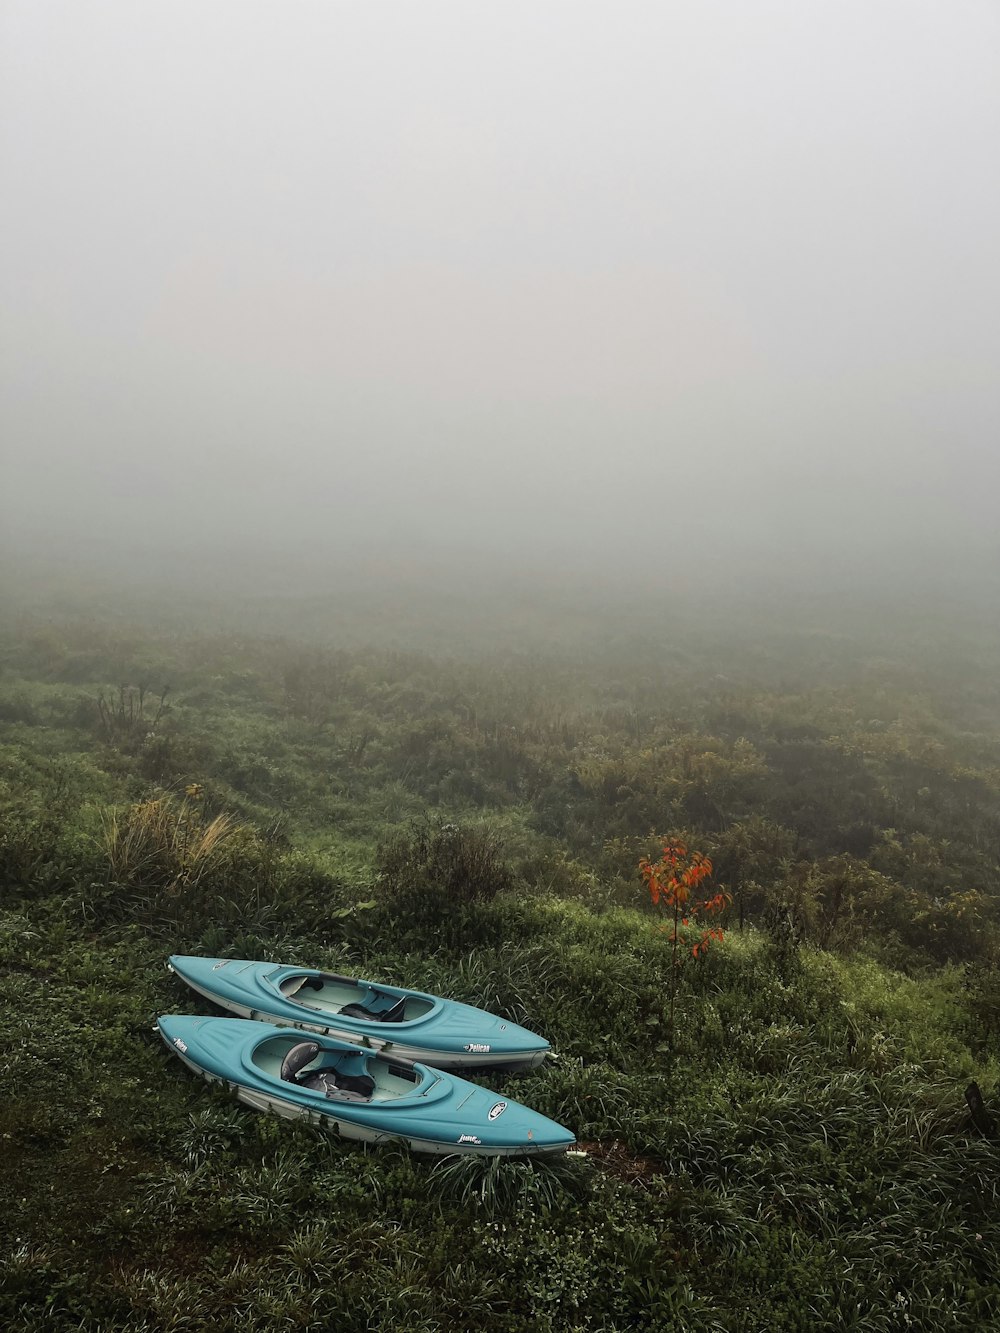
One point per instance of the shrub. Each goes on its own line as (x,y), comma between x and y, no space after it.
(465,864)
(437,879)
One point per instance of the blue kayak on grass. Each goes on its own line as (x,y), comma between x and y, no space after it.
(408,1023)
(358,1093)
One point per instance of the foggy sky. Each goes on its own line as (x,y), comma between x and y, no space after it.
(589,284)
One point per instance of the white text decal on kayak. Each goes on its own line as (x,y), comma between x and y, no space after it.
(497,1110)
(468,1138)
(181,1045)
(477,1047)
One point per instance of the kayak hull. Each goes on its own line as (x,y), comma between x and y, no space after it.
(429,1110)
(442,1033)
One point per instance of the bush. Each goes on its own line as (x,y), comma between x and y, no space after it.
(437,878)
(465,864)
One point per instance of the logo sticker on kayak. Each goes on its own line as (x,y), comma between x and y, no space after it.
(497,1110)
(467,1138)
(477,1048)
(224,963)
(182,1046)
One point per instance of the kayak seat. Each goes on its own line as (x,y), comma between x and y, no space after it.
(349,1087)
(393,1015)
(297,1059)
(345,1087)
(292,985)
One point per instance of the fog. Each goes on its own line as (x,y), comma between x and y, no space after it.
(655,292)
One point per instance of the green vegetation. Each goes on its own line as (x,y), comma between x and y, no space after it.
(801,1156)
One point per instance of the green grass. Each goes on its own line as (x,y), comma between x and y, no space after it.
(800,1158)
(793,1163)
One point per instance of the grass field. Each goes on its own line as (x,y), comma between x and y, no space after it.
(797,1156)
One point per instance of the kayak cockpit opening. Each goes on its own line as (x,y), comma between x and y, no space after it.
(353,999)
(349,1075)
(336,1078)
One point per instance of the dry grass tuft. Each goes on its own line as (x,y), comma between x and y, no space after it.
(165,845)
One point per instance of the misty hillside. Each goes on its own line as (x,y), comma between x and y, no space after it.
(471,823)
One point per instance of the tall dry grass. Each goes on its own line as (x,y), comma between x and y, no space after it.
(165,846)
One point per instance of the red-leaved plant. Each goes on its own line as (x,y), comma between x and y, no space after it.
(674,883)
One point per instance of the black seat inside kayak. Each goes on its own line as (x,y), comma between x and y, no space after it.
(297,1059)
(349,1087)
(393,1015)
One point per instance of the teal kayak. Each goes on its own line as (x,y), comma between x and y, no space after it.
(357,1093)
(408,1023)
